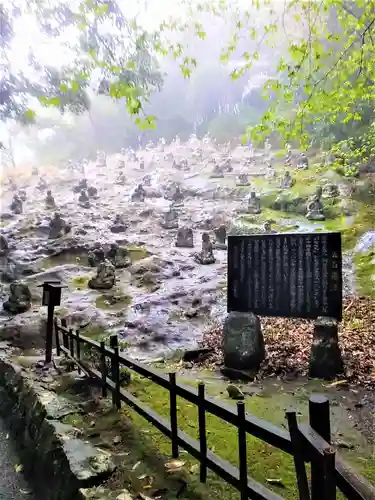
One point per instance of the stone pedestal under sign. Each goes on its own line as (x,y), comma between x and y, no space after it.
(243,344)
(325,357)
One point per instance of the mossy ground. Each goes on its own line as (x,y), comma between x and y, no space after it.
(80,282)
(365,273)
(113,301)
(143,450)
(136,253)
(264,461)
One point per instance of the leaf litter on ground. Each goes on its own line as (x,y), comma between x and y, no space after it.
(288,344)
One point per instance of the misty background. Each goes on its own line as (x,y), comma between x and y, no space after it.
(208,101)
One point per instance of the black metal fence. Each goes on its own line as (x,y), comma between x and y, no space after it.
(306,443)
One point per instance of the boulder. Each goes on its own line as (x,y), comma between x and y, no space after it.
(25,331)
(243,343)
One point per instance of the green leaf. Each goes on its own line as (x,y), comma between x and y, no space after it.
(63,87)
(29,114)
(75,87)
(50,101)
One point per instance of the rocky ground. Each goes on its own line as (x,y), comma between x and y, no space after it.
(165,300)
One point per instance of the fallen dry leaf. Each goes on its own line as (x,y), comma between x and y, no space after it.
(125,495)
(288,344)
(194,469)
(275,482)
(174,464)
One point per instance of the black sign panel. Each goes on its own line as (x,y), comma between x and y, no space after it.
(289,275)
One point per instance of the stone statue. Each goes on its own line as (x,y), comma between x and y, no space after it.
(121,179)
(58,227)
(19,300)
(303,162)
(120,162)
(142,164)
(177,196)
(147,180)
(315,209)
(270,172)
(12,185)
(184,164)
(92,192)
(267,228)
(170,219)
(267,147)
(50,201)
(221,237)
(253,204)
(287,181)
(330,190)
(84,200)
(243,180)
(217,172)
(4,246)
(22,195)
(16,205)
(206,255)
(185,238)
(118,225)
(105,276)
(42,184)
(81,185)
(101,159)
(288,156)
(227,165)
(118,256)
(96,255)
(138,194)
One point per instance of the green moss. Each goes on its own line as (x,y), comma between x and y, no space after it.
(94,332)
(365,272)
(66,258)
(364,220)
(61,311)
(80,282)
(74,419)
(222,439)
(137,253)
(113,301)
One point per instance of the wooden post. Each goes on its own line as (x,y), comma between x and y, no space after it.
(78,349)
(49,333)
(173,414)
(299,462)
(103,368)
(64,325)
(57,337)
(115,371)
(202,432)
(320,422)
(71,342)
(242,453)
